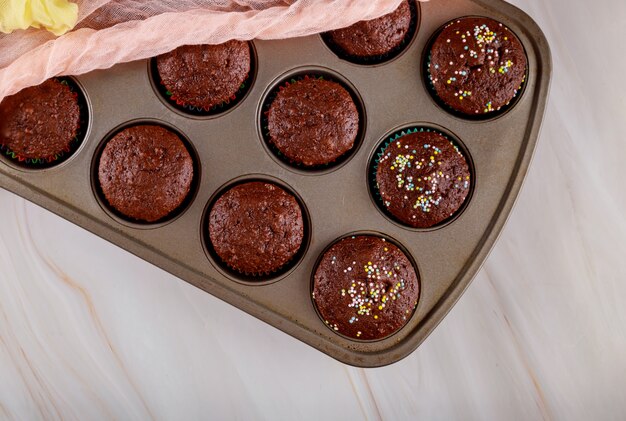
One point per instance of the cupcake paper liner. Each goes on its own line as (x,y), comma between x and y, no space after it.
(50,161)
(373,169)
(201,111)
(267,103)
(382,58)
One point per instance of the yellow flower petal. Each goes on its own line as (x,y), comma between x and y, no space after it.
(57,16)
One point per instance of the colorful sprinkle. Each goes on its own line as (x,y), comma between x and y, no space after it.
(369,290)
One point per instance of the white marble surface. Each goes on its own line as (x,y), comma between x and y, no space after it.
(88,331)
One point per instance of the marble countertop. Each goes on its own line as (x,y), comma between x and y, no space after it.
(88,331)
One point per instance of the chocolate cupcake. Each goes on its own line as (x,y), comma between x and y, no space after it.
(145,173)
(422,178)
(256,228)
(39,124)
(205,76)
(374,38)
(365,287)
(312,122)
(476,66)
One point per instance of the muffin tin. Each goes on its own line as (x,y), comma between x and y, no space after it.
(230,148)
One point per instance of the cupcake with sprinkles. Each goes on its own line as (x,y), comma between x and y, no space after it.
(476,66)
(420,178)
(365,287)
(42,125)
(205,79)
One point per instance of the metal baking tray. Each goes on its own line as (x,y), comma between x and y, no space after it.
(229,147)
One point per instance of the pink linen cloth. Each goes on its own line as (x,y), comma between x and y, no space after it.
(115,31)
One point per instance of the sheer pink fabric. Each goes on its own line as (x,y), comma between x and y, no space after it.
(115,31)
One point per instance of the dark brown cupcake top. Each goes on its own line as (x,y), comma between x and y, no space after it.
(313,121)
(423,179)
(477,65)
(365,288)
(256,228)
(145,172)
(40,122)
(374,37)
(204,76)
